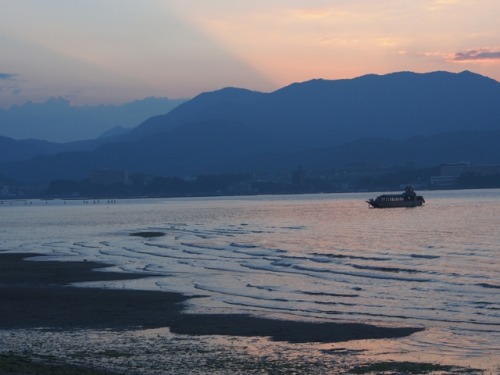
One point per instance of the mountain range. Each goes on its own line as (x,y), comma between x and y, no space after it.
(378,120)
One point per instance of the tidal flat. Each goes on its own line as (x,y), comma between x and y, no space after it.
(50,327)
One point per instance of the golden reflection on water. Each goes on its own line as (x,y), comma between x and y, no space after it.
(430,346)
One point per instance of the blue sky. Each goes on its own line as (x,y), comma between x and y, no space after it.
(113,51)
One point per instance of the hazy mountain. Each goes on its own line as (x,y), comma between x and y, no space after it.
(477,147)
(192,149)
(178,154)
(57,120)
(113,132)
(425,119)
(16,150)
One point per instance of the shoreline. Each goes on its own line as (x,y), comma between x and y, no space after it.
(101,329)
(38,294)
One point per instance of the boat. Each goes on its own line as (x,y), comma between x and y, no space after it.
(406,199)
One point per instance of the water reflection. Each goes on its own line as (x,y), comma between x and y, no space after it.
(322,257)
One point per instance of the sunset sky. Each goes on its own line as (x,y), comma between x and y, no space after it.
(113,51)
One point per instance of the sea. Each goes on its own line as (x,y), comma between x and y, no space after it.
(321,257)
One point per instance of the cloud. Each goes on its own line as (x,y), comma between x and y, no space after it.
(7,76)
(9,87)
(476,55)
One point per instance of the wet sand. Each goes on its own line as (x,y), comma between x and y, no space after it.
(48,327)
(37,294)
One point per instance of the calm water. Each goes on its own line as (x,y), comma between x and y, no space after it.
(325,257)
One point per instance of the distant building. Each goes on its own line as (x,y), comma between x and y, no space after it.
(450,173)
(240,188)
(108,177)
(189,178)
(4,191)
(298,176)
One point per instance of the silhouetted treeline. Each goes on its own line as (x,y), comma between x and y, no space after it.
(357,178)
(141,185)
(474,181)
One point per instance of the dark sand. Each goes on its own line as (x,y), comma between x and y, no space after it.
(37,294)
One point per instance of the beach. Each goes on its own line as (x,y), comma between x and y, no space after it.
(40,308)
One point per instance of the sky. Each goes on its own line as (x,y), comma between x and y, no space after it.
(113,51)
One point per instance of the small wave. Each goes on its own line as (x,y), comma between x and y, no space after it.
(227,232)
(326,294)
(369,276)
(256,251)
(288,310)
(84,245)
(192,252)
(422,256)
(242,245)
(328,303)
(490,286)
(158,245)
(202,246)
(352,257)
(384,269)
(239,294)
(268,288)
(123,253)
(261,287)
(296,227)
(320,260)
(281,263)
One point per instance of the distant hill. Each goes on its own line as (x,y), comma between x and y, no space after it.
(425,119)
(170,154)
(11,149)
(476,147)
(56,120)
(17,150)
(113,132)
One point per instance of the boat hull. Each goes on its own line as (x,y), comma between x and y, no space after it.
(375,204)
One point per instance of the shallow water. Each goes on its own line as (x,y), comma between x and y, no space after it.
(327,257)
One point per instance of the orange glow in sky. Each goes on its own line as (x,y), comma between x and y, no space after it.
(112,51)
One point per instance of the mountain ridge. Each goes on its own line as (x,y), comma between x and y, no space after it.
(290,108)
(425,113)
